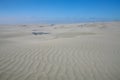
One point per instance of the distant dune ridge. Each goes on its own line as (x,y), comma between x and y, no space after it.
(85,51)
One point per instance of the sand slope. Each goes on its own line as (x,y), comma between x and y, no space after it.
(70,52)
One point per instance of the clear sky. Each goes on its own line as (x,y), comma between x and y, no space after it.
(38,11)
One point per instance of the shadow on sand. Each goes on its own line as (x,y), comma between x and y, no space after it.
(39,33)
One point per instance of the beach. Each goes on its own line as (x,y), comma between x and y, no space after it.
(81,51)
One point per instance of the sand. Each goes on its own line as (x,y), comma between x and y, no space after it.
(85,51)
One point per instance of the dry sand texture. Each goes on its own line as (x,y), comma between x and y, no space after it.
(86,51)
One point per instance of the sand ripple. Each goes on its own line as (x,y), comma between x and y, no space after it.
(89,57)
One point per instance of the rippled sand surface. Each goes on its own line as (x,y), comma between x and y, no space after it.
(86,51)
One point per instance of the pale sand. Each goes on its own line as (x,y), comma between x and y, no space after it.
(89,51)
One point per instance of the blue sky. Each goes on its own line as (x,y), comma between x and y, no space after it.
(53,11)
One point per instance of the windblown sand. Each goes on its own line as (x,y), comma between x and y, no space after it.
(86,51)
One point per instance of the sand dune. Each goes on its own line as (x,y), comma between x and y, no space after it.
(89,51)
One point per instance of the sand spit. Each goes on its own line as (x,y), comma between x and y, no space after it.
(89,51)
